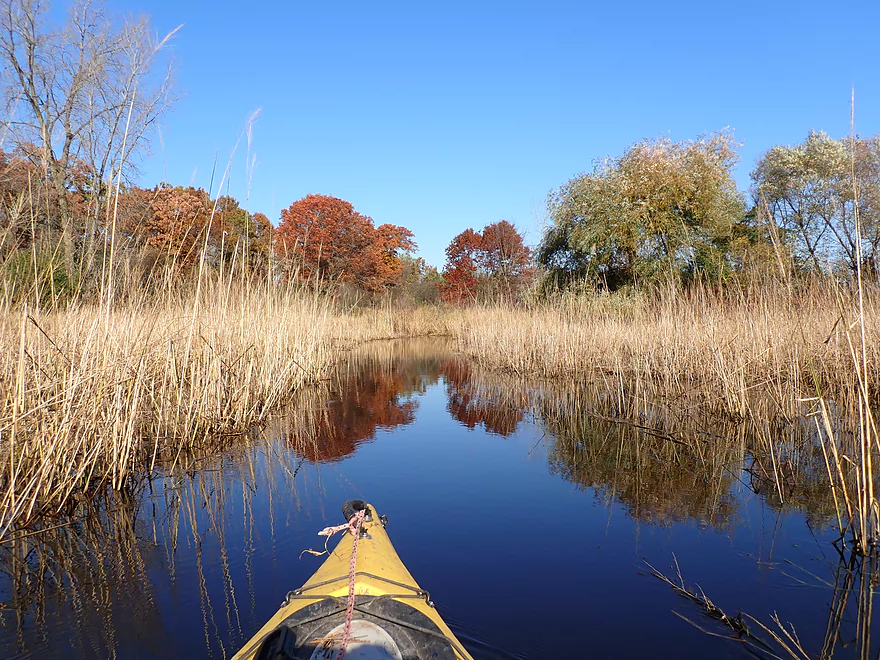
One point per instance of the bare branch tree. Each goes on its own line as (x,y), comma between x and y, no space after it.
(83,95)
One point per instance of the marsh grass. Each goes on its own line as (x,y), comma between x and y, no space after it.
(106,571)
(850,613)
(94,393)
(663,461)
(723,345)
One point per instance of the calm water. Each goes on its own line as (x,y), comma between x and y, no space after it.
(526,513)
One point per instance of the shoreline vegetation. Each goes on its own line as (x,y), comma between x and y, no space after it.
(659,479)
(98,396)
(729,346)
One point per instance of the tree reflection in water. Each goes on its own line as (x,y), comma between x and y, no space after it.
(471,401)
(661,460)
(375,390)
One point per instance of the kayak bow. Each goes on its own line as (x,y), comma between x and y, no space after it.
(393,617)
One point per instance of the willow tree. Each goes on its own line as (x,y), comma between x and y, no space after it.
(816,191)
(83,94)
(662,208)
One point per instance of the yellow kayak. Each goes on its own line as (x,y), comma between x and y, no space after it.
(392,618)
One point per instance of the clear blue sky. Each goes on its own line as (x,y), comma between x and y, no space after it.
(448,115)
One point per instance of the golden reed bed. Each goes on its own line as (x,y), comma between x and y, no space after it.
(92,396)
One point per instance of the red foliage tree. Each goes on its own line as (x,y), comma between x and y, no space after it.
(503,252)
(133,212)
(324,238)
(460,274)
(496,257)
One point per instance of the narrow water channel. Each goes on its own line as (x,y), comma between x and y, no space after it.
(526,511)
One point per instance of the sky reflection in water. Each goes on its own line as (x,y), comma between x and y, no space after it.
(524,512)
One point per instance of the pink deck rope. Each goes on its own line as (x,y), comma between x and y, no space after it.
(353,527)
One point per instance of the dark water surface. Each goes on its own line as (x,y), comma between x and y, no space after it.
(522,507)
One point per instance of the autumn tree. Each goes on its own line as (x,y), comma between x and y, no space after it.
(134,213)
(29,202)
(505,260)
(182,224)
(420,281)
(17,175)
(322,238)
(260,247)
(83,93)
(178,221)
(662,208)
(809,192)
(495,259)
(460,273)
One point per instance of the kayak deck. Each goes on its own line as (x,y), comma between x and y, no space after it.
(393,617)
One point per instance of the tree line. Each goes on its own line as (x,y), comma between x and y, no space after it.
(168,230)
(672,209)
(81,100)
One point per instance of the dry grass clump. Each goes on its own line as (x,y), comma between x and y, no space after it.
(725,345)
(90,393)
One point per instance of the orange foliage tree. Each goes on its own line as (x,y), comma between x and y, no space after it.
(17,208)
(179,218)
(174,220)
(30,205)
(323,238)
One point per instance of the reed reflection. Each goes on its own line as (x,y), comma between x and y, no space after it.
(118,578)
(851,608)
(95,572)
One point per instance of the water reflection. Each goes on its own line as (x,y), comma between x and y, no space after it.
(851,609)
(472,401)
(657,480)
(93,572)
(194,560)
